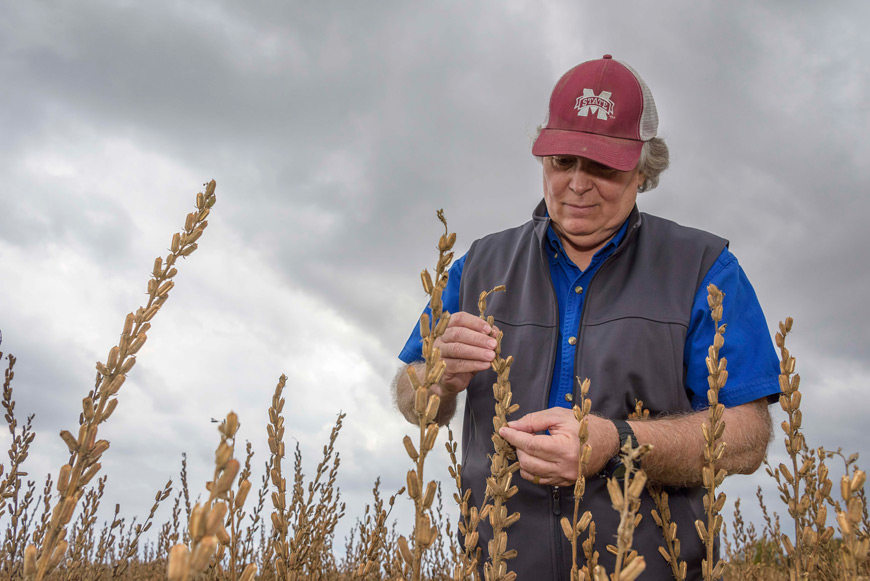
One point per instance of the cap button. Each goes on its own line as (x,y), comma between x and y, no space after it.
(607,56)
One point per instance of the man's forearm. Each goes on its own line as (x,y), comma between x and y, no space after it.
(678,444)
(404,396)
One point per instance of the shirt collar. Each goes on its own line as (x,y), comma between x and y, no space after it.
(613,243)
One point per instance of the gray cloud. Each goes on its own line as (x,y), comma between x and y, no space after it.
(334,134)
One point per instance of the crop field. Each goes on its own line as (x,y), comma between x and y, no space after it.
(282,523)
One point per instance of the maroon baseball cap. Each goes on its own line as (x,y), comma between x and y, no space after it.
(601,110)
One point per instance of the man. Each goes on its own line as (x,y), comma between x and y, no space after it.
(596,289)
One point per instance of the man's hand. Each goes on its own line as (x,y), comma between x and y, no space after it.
(467,346)
(552,459)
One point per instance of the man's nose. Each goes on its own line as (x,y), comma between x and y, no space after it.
(580,180)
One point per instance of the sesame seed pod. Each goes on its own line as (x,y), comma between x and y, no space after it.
(404,550)
(57,555)
(242,495)
(215,517)
(190,221)
(223,454)
(432,409)
(110,407)
(616,497)
(188,250)
(412,376)
(69,440)
(249,572)
(410,449)
(226,479)
(442,324)
(431,434)
(431,488)
(99,448)
(179,558)
(634,569)
(128,365)
(63,478)
(203,553)
(165,288)
(176,242)
(232,424)
(637,484)
(424,325)
(413,484)
(150,312)
(137,343)
(845,487)
(194,236)
(197,522)
(69,506)
(858,480)
(701,529)
(421,399)
(112,360)
(566,528)
(88,408)
(89,475)
(115,384)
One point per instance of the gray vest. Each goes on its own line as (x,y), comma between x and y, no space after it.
(630,345)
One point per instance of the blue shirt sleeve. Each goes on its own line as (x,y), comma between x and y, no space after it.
(753,367)
(413,349)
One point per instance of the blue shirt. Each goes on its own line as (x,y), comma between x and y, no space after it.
(753,367)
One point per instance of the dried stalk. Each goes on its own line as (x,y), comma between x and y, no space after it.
(711,476)
(426,408)
(206,525)
(625,499)
(856,543)
(468,559)
(578,524)
(281,514)
(86,450)
(503,463)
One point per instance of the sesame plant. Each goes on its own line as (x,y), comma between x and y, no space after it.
(284,529)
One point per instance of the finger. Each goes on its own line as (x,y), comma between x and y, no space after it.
(540,421)
(551,449)
(465,351)
(469,321)
(458,366)
(549,473)
(534,478)
(469,337)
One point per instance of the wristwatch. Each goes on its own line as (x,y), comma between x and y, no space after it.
(614,468)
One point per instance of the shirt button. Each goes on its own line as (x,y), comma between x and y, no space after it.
(572,340)
(569,397)
(556,255)
(578,289)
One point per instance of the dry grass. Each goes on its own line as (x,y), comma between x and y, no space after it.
(51,532)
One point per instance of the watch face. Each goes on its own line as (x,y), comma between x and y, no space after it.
(615,468)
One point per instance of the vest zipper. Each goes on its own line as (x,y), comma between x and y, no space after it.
(557,525)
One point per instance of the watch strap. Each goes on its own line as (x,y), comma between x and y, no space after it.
(614,467)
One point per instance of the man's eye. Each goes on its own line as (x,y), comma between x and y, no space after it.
(563,162)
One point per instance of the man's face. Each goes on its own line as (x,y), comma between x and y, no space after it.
(587,201)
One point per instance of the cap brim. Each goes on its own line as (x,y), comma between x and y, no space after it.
(621,154)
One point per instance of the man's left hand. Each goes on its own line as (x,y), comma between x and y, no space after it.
(551,459)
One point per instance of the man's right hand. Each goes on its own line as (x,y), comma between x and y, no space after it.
(467,346)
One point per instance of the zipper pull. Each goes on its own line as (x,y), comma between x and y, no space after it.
(557,505)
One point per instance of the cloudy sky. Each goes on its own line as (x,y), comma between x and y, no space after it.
(335,132)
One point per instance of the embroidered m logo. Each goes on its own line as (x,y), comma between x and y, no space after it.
(595,104)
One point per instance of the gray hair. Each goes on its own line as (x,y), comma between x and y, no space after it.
(654,159)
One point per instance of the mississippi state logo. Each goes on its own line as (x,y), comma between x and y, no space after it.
(595,104)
